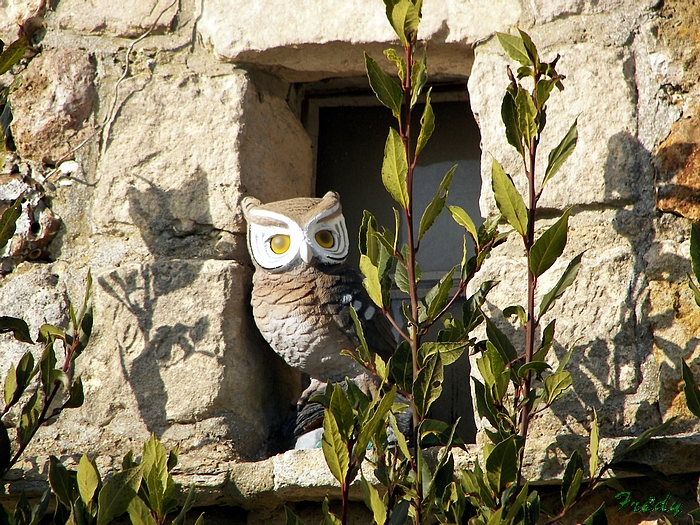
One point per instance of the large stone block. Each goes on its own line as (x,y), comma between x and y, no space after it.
(182,151)
(323,39)
(678,164)
(606,164)
(602,316)
(174,353)
(51,108)
(36,293)
(129,20)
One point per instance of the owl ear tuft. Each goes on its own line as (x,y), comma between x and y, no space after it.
(247,203)
(331,195)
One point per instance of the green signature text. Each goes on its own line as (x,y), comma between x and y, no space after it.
(651,504)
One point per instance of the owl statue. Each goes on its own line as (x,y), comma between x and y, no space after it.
(303,290)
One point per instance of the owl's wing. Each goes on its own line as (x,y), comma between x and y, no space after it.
(345,285)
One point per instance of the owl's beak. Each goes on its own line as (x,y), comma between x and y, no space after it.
(305,252)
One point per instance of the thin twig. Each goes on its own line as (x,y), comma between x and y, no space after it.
(109,117)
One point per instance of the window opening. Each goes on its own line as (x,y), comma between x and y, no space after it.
(348,133)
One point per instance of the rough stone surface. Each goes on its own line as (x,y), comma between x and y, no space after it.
(36,293)
(186,378)
(129,20)
(308,44)
(598,94)
(204,143)
(602,315)
(50,109)
(678,165)
(12,13)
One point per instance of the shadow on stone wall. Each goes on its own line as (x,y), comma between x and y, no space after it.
(138,291)
(607,370)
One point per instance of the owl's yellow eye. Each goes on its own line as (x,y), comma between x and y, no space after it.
(280,244)
(325,239)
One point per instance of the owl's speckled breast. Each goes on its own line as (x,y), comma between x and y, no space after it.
(303,315)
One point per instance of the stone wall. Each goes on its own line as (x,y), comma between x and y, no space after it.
(205,110)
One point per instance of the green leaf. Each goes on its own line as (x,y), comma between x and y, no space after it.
(449,352)
(139,513)
(509,201)
(515,48)
(39,510)
(501,342)
(566,280)
(117,494)
(30,416)
(395,168)
(10,385)
(433,433)
(502,465)
(556,385)
(533,366)
(13,54)
(62,481)
(493,370)
(527,116)
(695,289)
(571,481)
(462,218)
(563,151)
(18,327)
(419,76)
(645,436)
(516,310)
(437,296)
(401,274)
(436,204)
(543,90)
(695,248)
(509,115)
(76,397)
(593,445)
(328,517)
(156,476)
(388,92)
(5,452)
(692,394)
(49,333)
(377,420)
(547,340)
(427,125)
(403,17)
(334,449)
(373,501)
(400,513)
(428,384)
(292,519)
(371,280)
(88,480)
(360,333)
(189,503)
(398,61)
(400,439)
(549,246)
(8,221)
(367,239)
(25,372)
(598,517)
(342,412)
(530,48)
(484,407)
(402,367)
(471,310)
(47,366)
